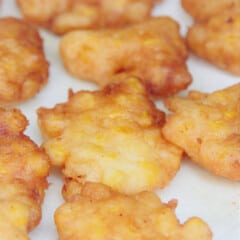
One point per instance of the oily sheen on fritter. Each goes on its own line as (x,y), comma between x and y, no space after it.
(111,136)
(23,67)
(23,172)
(207,128)
(98,213)
(153,51)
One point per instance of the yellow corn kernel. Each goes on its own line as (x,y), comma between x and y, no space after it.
(230,114)
(145,118)
(54,123)
(86,118)
(123,129)
(220,97)
(231,40)
(151,42)
(18,213)
(40,166)
(151,171)
(85,11)
(113,113)
(118,43)
(117,179)
(136,85)
(216,125)
(113,209)
(99,138)
(100,229)
(112,155)
(56,152)
(3,169)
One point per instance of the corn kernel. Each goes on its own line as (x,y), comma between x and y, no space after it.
(117,179)
(216,125)
(18,213)
(151,171)
(230,114)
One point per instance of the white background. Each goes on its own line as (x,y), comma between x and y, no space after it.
(214,199)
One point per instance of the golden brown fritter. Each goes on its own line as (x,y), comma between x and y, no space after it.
(153,51)
(207,127)
(23,172)
(23,67)
(112,136)
(218,41)
(61,16)
(117,216)
(205,9)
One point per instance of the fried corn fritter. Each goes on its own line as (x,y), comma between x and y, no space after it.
(100,214)
(207,127)
(112,136)
(61,16)
(23,67)
(218,41)
(153,51)
(23,172)
(205,9)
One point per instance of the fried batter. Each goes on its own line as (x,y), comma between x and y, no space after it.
(61,16)
(111,136)
(153,51)
(23,67)
(23,172)
(205,9)
(117,216)
(218,41)
(207,127)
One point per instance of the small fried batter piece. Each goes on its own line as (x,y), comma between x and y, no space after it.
(23,172)
(205,9)
(23,67)
(61,16)
(207,127)
(112,136)
(153,51)
(218,41)
(100,213)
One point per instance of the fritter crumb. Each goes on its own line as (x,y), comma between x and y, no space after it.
(207,128)
(112,136)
